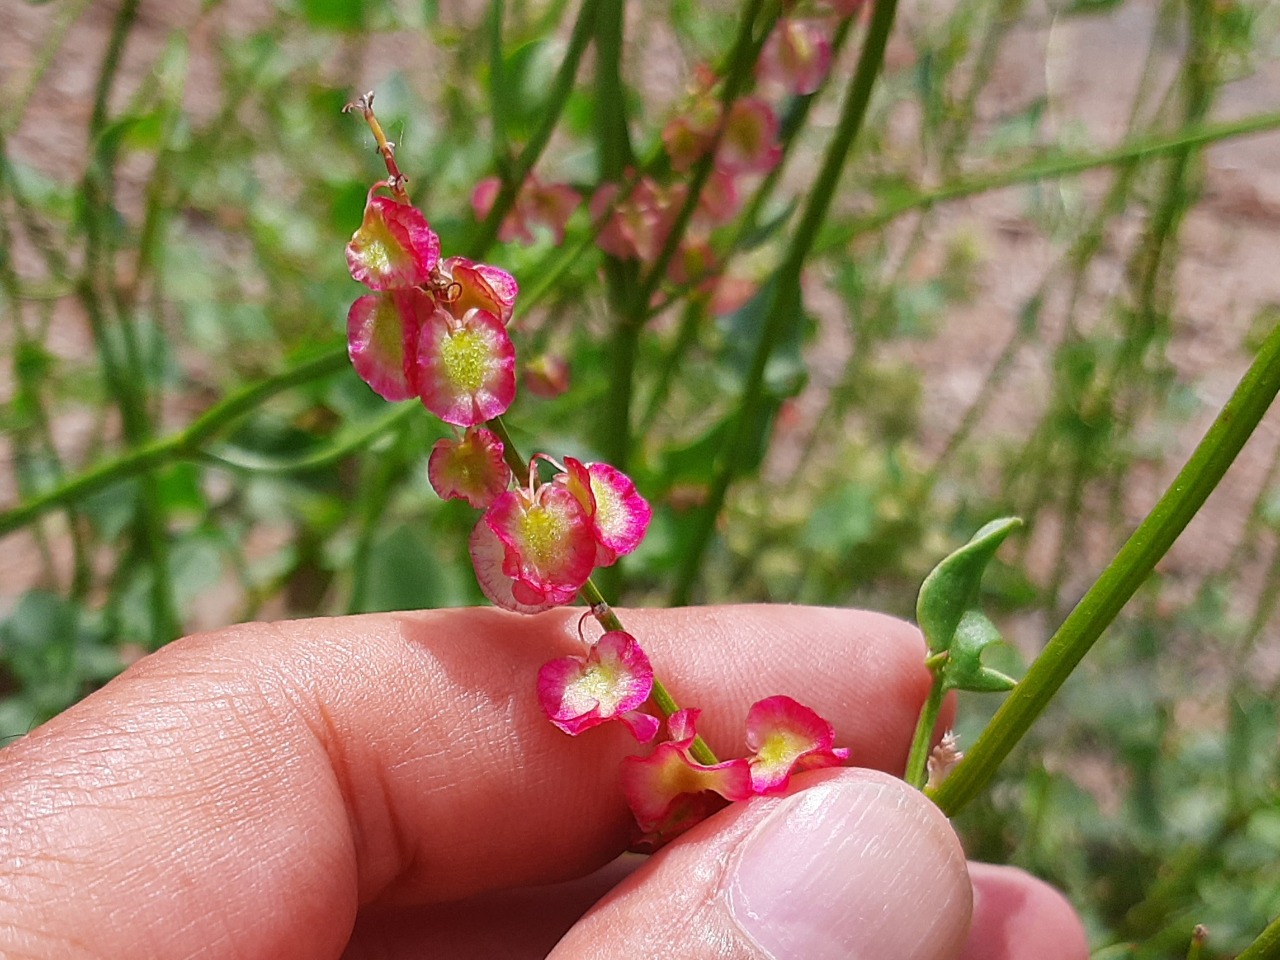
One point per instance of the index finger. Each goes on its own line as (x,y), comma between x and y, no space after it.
(244,792)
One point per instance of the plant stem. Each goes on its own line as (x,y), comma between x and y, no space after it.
(487,230)
(1047,169)
(784,307)
(918,759)
(1122,577)
(184,445)
(660,696)
(1266,946)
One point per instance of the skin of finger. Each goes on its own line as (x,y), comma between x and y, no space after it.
(1018,917)
(255,785)
(521,924)
(676,905)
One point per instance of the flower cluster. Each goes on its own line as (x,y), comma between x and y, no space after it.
(636,217)
(431,328)
(436,329)
(670,791)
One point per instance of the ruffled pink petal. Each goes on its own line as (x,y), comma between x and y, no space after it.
(466,367)
(621,516)
(394,246)
(382,340)
(550,548)
(470,469)
(477,286)
(611,681)
(796,56)
(662,789)
(548,204)
(484,196)
(719,201)
(787,737)
(750,142)
(488,554)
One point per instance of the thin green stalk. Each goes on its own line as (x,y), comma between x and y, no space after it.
(1046,169)
(498,85)
(186,444)
(1122,577)
(1267,946)
(660,696)
(487,230)
(785,300)
(918,757)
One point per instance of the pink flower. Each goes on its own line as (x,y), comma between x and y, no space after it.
(750,141)
(611,682)
(688,136)
(382,339)
(796,56)
(667,790)
(394,246)
(787,737)
(488,556)
(619,516)
(463,285)
(466,366)
(548,205)
(550,549)
(470,469)
(719,201)
(546,376)
(637,226)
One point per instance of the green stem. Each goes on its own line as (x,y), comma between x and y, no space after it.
(1122,577)
(487,230)
(1047,169)
(918,759)
(1267,946)
(784,305)
(660,696)
(186,444)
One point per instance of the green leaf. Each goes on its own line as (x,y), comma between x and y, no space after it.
(948,614)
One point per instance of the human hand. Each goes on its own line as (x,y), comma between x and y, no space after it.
(386,786)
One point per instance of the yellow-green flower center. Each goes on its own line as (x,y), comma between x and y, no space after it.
(542,536)
(466,359)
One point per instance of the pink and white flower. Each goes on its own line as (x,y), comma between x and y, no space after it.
(394,247)
(382,339)
(611,682)
(787,737)
(470,468)
(466,371)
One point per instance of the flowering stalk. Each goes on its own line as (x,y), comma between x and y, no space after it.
(434,328)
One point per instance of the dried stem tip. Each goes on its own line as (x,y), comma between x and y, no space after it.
(395,179)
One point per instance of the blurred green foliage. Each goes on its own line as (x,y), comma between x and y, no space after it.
(173,293)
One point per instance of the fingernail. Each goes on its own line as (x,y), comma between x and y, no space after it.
(858,866)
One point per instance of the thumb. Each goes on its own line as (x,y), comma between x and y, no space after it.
(856,864)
